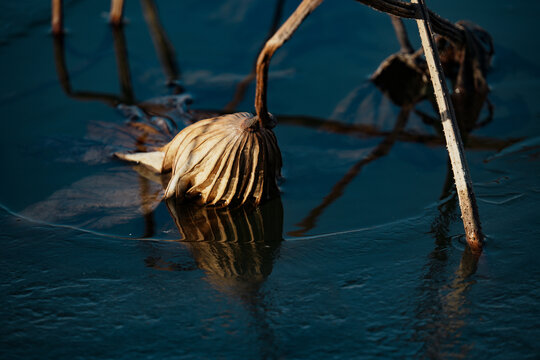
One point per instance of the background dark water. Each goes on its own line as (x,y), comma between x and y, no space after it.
(90,268)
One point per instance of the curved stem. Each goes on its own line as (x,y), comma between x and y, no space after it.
(263,62)
(242,86)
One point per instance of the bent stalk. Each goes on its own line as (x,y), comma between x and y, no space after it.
(263,62)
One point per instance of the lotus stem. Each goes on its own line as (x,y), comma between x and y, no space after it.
(462,178)
(57,19)
(263,62)
(117,12)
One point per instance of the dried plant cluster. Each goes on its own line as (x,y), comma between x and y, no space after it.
(228,160)
(235,158)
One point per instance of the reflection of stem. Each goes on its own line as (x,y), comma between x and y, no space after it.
(60,62)
(443,309)
(337,127)
(162,44)
(63,77)
(401,34)
(123,72)
(122,63)
(242,87)
(382,149)
(443,314)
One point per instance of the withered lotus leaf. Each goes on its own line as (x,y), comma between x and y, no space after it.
(222,161)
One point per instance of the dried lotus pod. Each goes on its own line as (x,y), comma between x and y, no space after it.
(227,160)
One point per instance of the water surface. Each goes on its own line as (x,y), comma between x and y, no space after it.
(356,259)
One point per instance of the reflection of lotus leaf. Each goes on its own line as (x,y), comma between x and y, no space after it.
(235,247)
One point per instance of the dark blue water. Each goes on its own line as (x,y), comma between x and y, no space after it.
(94,265)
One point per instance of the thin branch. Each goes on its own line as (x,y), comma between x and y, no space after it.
(401,34)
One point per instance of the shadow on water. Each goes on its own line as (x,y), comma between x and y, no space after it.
(309,222)
(162,113)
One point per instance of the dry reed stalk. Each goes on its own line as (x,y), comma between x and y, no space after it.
(462,178)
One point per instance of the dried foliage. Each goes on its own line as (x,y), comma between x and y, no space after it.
(228,160)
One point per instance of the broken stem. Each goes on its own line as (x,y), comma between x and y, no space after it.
(462,178)
(263,62)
